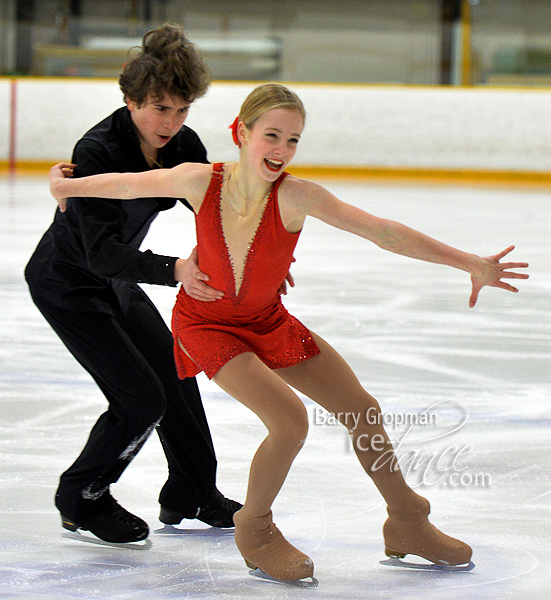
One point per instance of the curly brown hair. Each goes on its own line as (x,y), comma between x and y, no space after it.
(166,63)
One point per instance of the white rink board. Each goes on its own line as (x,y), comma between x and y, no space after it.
(53,115)
(4,119)
(356,126)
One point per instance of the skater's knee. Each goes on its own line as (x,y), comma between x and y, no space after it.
(152,411)
(153,414)
(373,413)
(143,412)
(293,438)
(298,433)
(292,429)
(363,412)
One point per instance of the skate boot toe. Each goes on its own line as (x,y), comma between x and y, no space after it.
(263,547)
(219,512)
(426,541)
(110,523)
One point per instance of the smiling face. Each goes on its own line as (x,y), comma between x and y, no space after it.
(157,121)
(271,143)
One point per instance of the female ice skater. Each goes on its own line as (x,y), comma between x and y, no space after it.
(248,217)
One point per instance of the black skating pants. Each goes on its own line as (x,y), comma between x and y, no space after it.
(130,357)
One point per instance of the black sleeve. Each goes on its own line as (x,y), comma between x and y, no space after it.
(197,149)
(196,152)
(102,226)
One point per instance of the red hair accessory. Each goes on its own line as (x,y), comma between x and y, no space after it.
(233,128)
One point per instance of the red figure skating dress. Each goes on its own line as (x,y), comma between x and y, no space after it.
(250,317)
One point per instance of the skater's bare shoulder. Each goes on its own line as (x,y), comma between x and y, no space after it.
(190,180)
(300,198)
(296,198)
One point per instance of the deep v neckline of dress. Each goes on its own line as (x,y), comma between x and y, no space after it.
(239,262)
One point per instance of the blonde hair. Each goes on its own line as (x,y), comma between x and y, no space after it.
(269,96)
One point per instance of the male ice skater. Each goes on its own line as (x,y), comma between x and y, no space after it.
(83,278)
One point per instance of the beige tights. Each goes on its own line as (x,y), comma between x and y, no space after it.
(328,380)
(246,378)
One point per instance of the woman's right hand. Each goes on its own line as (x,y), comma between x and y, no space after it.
(58,173)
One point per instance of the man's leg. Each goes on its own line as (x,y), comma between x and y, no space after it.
(136,405)
(190,490)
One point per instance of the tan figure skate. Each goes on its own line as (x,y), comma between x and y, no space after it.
(269,555)
(412,533)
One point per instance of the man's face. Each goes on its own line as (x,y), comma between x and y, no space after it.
(157,121)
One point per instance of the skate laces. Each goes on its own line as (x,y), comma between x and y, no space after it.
(221,509)
(115,513)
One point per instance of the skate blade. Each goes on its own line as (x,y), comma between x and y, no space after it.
(89,539)
(310,582)
(403,564)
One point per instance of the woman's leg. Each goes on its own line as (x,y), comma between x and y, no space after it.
(250,381)
(260,542)
(328,380)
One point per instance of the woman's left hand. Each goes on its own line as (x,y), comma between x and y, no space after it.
(491,271)
(288,280)
(58,173)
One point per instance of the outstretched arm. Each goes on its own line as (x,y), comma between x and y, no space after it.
(396,237)
(178,182)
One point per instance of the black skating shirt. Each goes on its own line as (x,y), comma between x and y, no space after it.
(89,257)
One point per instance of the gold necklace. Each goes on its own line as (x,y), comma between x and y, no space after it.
(238,200)
(155,163)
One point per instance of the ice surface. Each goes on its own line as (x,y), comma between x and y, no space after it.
(483,375)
